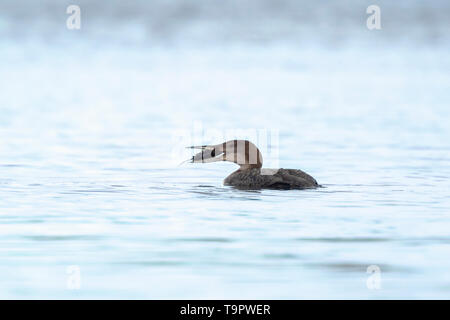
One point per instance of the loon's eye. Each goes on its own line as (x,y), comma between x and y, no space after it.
(213,153)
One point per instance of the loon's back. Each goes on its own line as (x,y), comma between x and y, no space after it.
(271,179)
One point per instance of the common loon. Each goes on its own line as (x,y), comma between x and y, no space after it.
(250,175)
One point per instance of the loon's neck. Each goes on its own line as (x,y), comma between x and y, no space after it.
(244,167)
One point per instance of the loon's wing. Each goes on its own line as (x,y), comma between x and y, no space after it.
(280,179)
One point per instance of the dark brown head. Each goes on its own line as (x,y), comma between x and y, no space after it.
(242,152)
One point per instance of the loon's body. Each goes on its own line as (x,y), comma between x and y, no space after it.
(251,175)
(270,179)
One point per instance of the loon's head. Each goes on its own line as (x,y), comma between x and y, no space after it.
(242,152)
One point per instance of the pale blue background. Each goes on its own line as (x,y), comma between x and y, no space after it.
(89,122)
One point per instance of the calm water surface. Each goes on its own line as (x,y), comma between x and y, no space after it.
(89,177)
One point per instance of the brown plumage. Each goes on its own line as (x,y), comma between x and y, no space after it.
(250,175)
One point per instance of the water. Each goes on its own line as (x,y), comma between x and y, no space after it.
(91,126)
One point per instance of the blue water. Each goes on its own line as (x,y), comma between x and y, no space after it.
(92,130)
